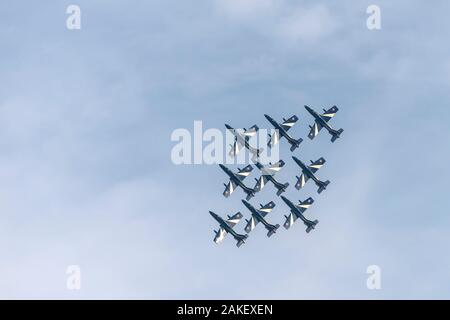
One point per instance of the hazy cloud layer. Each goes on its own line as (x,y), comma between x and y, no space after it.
(85,170)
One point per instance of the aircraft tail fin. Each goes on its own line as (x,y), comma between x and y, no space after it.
(282,188)
(240,238)
(256,153)
(311,225)
(272,229)
(336,135)
(297,185)
(296,144)
(323,186)
(259,151)
(289,220)
(287,224)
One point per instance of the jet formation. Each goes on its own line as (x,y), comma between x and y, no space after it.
(267,174)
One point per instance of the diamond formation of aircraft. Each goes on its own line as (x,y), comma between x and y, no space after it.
(268,173)
(321,121)
(281,130)
(236,179)
(226,226)
(241,139)
(259,215)
(308,172)
(297,212)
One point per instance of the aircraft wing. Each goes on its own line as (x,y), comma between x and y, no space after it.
(235,148)
(260,183)
(229,188)
(328,114)
(264,210)
(315,129)
(234,220)
(274,138)
(244,173)
(244,134)
(290,220)
(289,123)
(250,132)
(251,224)
(303,205)
(316,165)
(301,181)
(272,169)
(220,235)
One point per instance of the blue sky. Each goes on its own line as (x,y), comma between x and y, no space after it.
(86,176)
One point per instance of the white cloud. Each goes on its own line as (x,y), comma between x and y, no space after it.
(307,24)
(292,24)
(246,9)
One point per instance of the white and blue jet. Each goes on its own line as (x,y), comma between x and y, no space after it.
(321,121)
(308,172)
(241,140)
(226,226)
(297,211)
(267,174)
(236,179)
(259,215)
(281,130)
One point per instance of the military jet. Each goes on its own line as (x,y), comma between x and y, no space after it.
(281,131)
(241,139)
(258,215)
(308,171)
(321,120)
(236,180)
(297,212)
(267,174)
(226,226)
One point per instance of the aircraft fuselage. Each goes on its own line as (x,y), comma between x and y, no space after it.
(241,140)
(236,180)
(223,224)
(280,129)
(320,119)
(294,209)
(307,171)
(256,214)
(269,177)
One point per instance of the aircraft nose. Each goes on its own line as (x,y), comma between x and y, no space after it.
(212,214)
(222,166)
(228,126)
(286,201)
